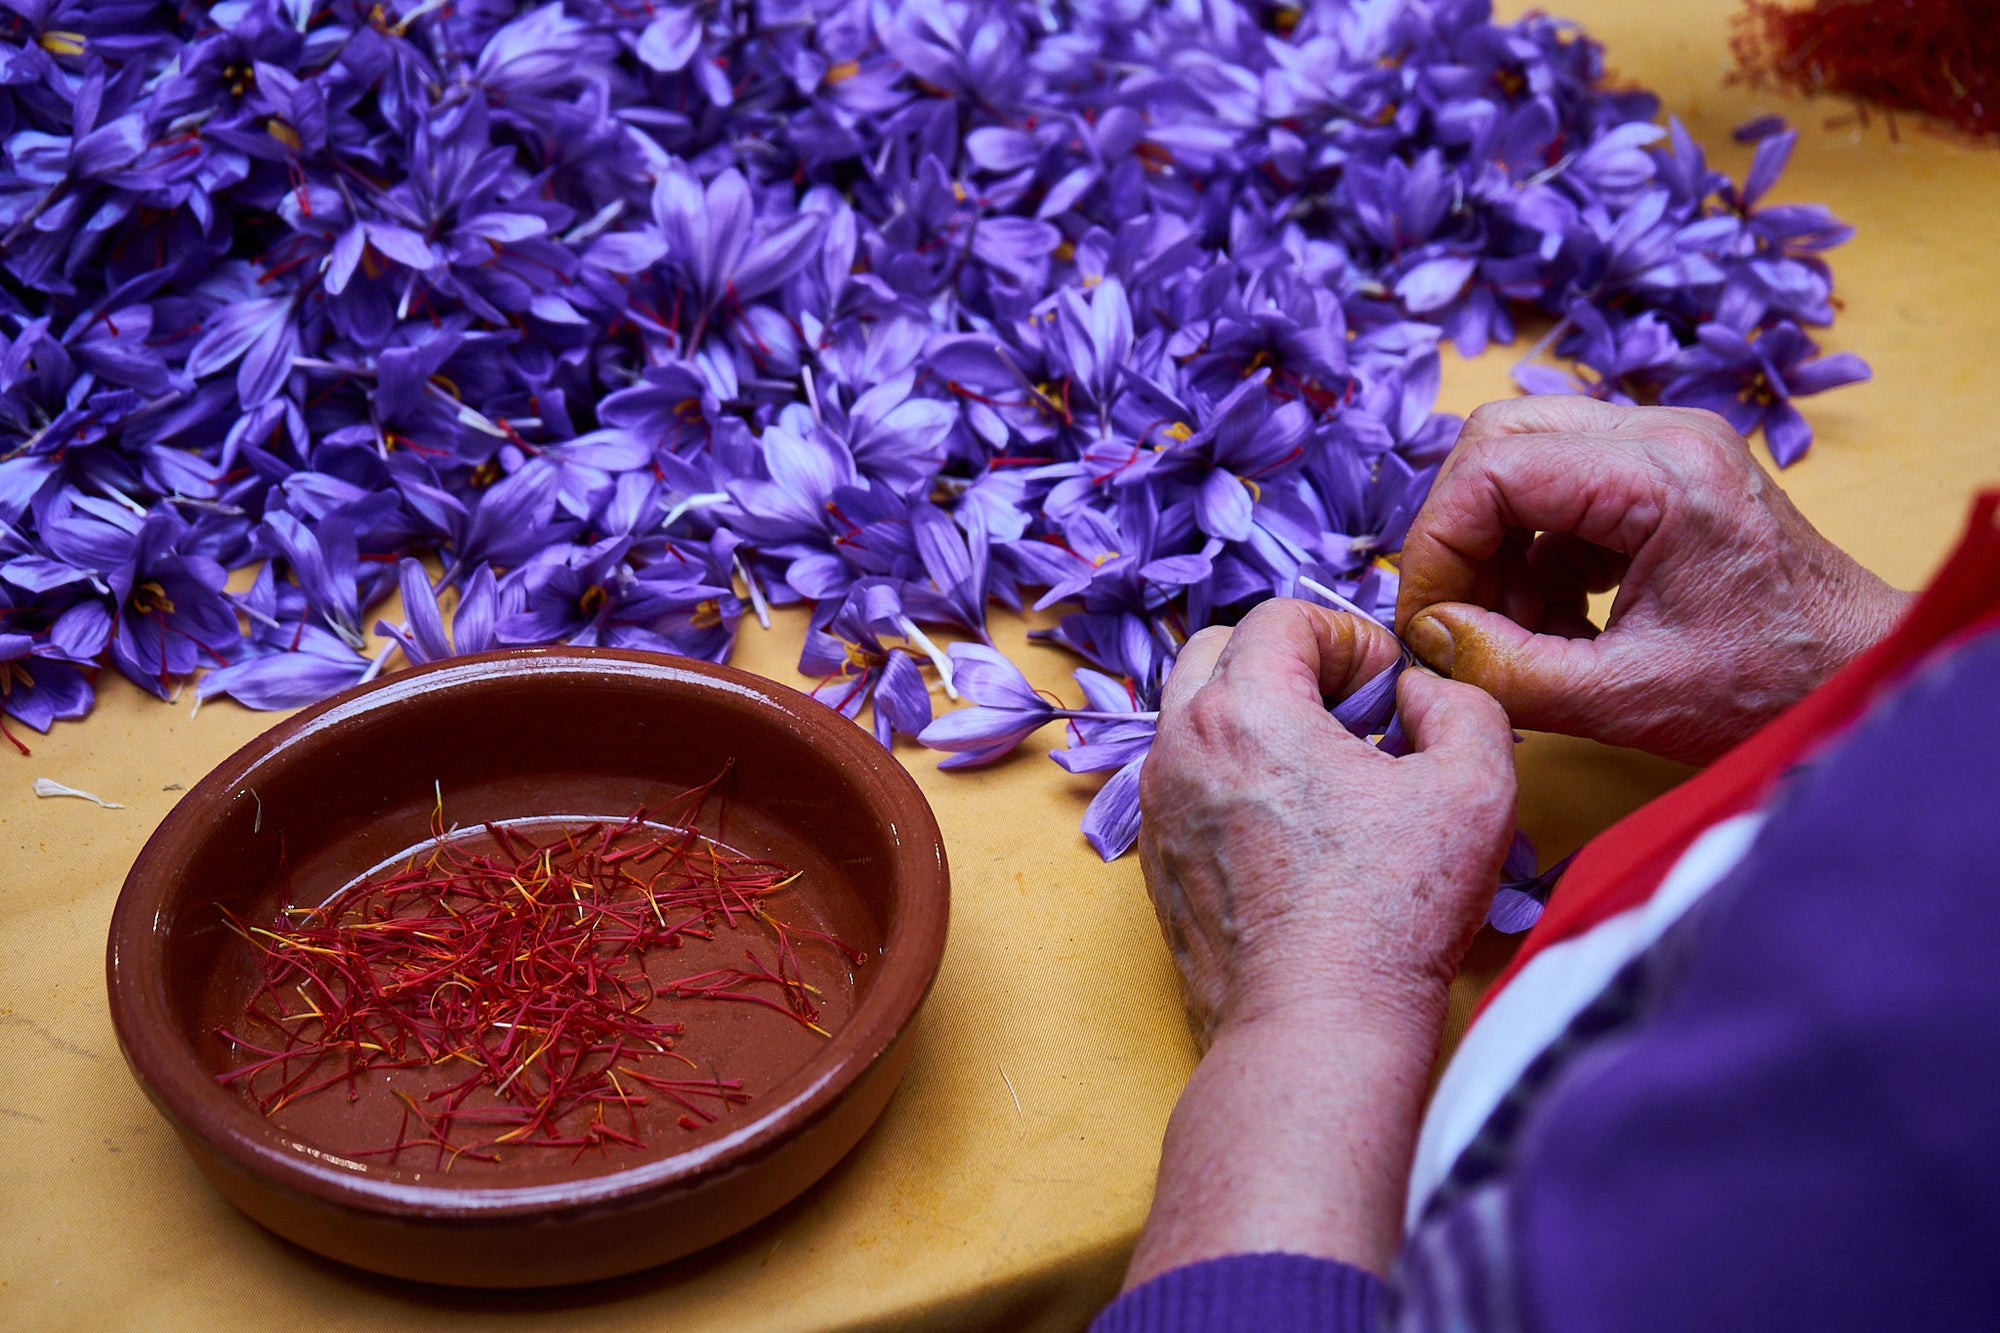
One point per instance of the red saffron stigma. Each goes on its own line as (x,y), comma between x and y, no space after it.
(1937,57)
(514,964)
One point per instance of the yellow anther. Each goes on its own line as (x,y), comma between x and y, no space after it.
(149,597)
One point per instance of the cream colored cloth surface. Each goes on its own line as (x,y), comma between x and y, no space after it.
(1005,1184)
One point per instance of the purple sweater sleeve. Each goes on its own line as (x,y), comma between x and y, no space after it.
(1250,1293)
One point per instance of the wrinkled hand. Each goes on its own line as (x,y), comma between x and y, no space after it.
(1296,868)
(1730,606)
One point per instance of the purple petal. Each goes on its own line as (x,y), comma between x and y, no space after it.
(1178,571)
(1513,911)
(1827,372)
(996,148)
(1096,757)
(1773,152)
(80,633)
(1435,283)
(282,680)
(982,734)
(421,609)
(233,329)
(402,246)
(1112,821)
(472,623)
(1223,507)
(1103,693)
(671,39)
(1787,433)
(1520,861)
(1546,379)
(1016,246)
(983,675)
(776,256)
(901,697)
(1368,710)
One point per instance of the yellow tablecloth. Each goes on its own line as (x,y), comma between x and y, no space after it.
(1005,1184)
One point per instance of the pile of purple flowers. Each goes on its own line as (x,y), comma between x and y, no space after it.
(634,316)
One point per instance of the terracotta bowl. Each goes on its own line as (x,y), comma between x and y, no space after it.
(333,791)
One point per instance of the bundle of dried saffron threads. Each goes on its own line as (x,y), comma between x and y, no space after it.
(1937,57)
(517,978)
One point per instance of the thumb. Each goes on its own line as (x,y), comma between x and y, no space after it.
(1457,723)
(1545,682)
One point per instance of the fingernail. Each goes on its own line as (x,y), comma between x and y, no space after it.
(1430,640)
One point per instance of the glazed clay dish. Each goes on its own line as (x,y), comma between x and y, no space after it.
(337,791)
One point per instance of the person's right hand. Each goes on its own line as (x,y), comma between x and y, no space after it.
(1730,606)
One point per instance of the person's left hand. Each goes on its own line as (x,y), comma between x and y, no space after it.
(1296,867)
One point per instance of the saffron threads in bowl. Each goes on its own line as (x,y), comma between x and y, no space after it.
(526,959)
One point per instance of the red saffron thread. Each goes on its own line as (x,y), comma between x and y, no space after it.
(525,965)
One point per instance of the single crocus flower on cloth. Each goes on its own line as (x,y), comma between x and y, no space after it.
(1006,710)
(1751,381)
(1112,733)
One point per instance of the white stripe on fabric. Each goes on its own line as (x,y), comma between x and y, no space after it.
(1555,986)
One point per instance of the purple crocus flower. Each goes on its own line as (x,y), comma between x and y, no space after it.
(858,667)
(40,679)
(255,332)
(424,638)
(1006,709)
(1751,382)
(325,561)
(682,603)
(1118,737)
(574,595)
(160,601)
(714,237)
(1622,356)
(1523,893)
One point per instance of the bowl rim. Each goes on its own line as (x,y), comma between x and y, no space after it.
(174,1078)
